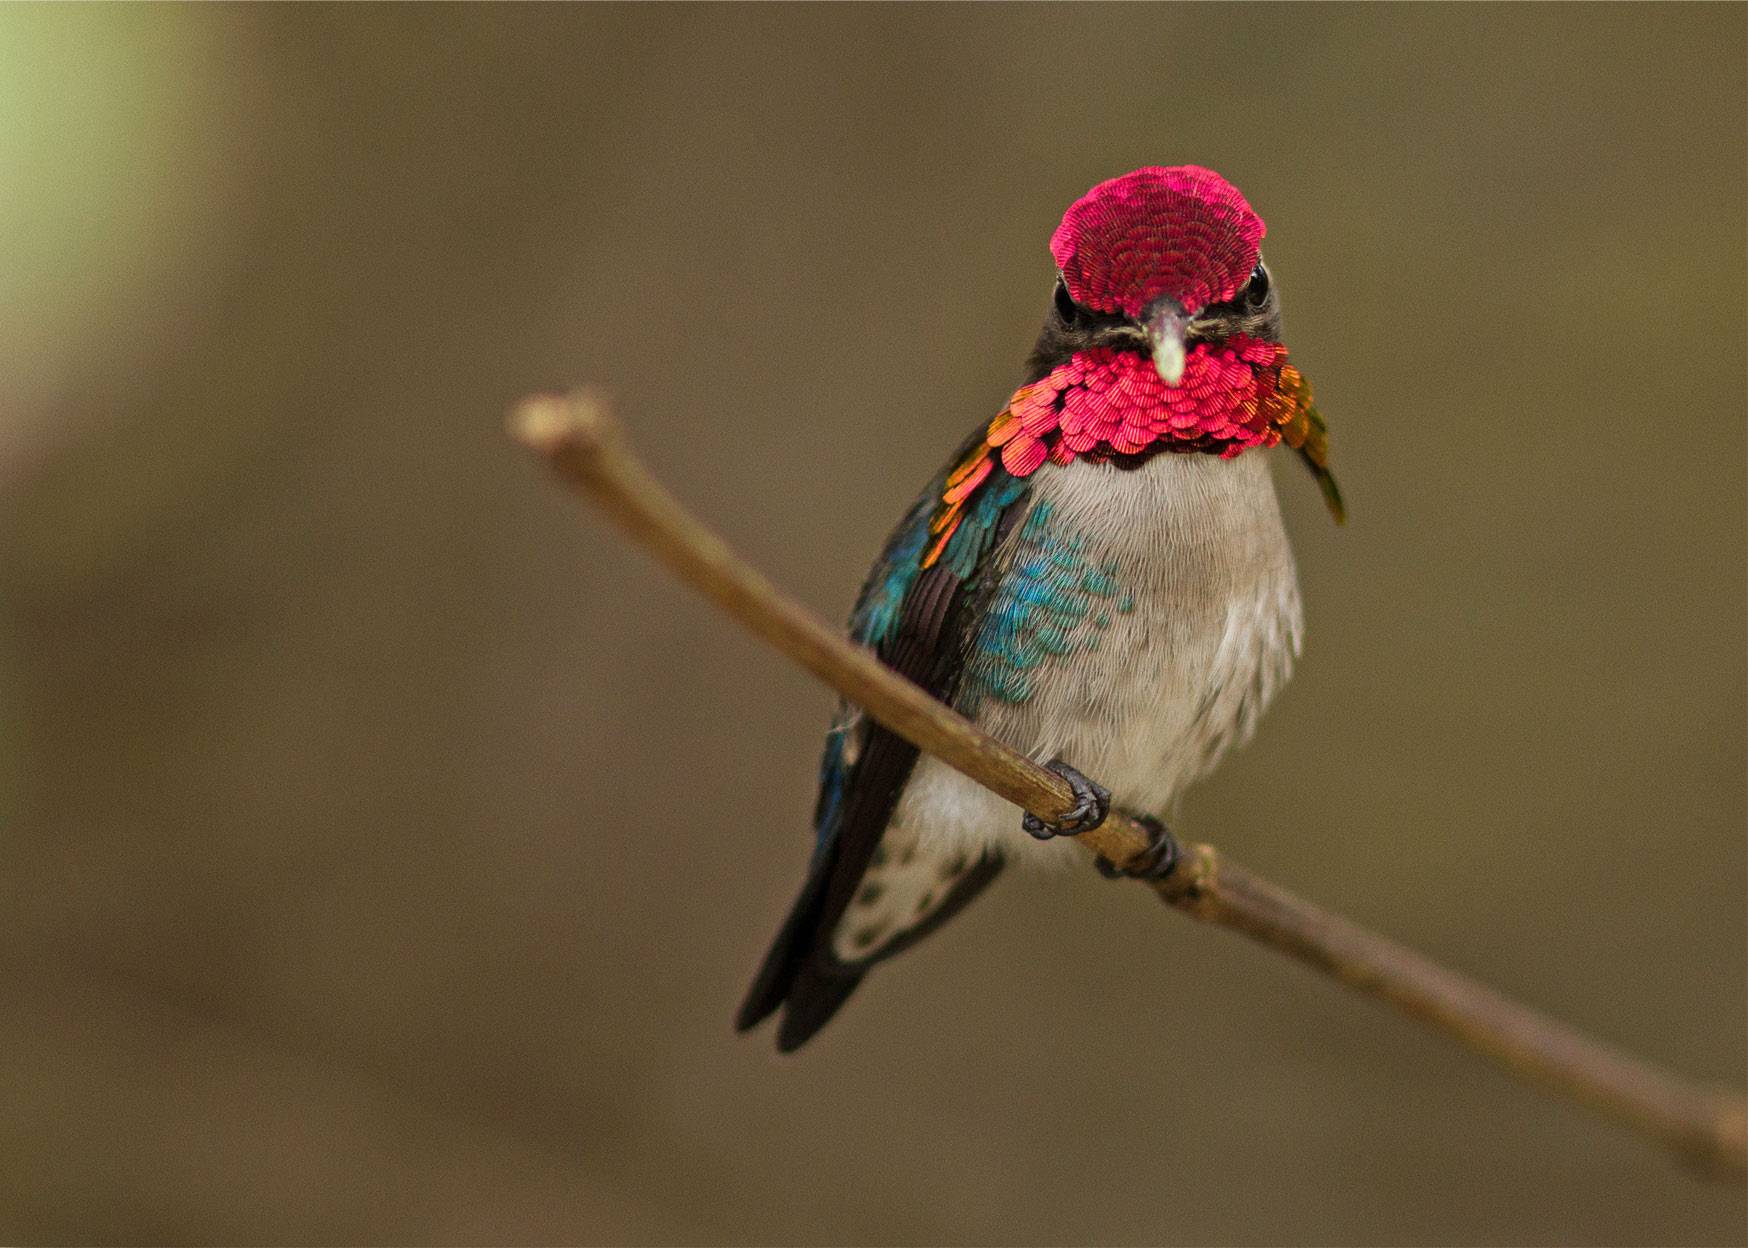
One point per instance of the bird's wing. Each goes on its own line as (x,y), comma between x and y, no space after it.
(921,601)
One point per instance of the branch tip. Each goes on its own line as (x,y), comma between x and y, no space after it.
(581,421)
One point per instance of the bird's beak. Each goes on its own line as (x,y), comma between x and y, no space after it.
(1166,325)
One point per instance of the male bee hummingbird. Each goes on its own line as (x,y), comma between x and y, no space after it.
(1099,578)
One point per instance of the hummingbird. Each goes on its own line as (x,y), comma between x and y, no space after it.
(1099,577)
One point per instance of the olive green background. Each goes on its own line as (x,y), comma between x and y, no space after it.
(387,845)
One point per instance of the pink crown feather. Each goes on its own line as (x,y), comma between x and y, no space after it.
(1181,231)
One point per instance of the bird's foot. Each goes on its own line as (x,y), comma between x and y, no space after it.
(1092,803)
(1153,863)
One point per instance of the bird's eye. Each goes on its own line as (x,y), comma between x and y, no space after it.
(1066,307)
(1256,293)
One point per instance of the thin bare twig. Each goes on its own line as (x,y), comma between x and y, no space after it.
(578,437)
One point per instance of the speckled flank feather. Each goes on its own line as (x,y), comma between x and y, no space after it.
(912,886)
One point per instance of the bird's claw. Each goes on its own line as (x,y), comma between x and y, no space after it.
(1092,803)
(1153,863)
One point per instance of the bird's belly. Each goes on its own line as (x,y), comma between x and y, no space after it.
(1150,616)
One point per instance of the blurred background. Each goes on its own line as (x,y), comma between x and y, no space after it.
(387,845)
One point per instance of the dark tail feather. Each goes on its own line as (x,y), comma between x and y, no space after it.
(783,961)
(814,997)
(797,974)
(846,846)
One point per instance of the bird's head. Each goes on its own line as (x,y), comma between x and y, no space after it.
(1164,334)
(1160,261)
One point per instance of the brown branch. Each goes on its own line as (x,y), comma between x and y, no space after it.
(580,440)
